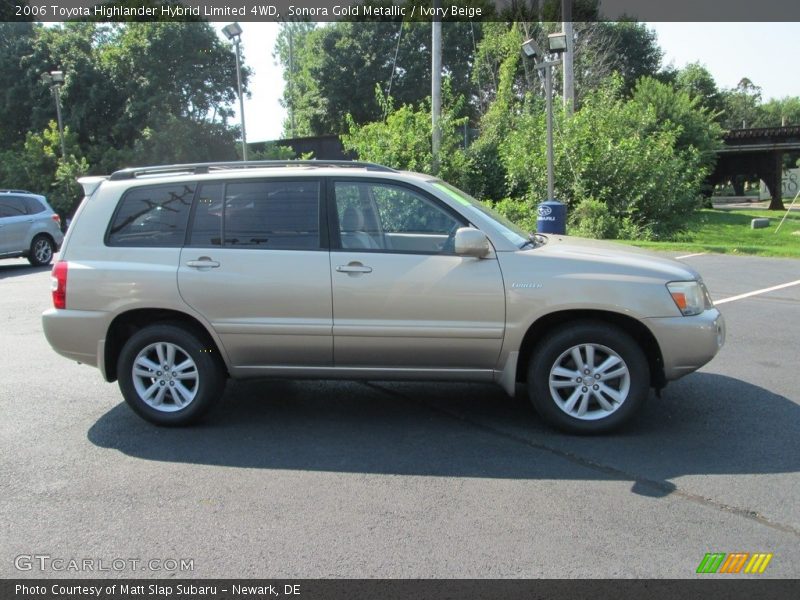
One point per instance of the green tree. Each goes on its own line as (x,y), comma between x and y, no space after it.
(334,69)
(779,112)
(37,165)
(696,128)
(17,91)
(403,140)
(741,105)
(696,80)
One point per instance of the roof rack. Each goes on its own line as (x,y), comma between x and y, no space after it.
(202,168)
(4,191)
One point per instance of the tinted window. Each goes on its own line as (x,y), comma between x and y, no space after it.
(263,214)
(33,206)
(11,206)
(207,225)
(377,216)
(152,217)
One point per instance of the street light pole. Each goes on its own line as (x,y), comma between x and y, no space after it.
(234,33)
(436,89)
(548,92)
(241,98)
(569,52)
(556,45)
(54,79)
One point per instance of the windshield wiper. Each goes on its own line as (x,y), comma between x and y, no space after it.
(534,240)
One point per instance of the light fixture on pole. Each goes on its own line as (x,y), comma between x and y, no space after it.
(557,43)
(55,80)
(234,33)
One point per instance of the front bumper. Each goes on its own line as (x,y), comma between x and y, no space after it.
(688,343)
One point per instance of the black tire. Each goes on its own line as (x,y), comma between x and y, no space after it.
(602,412)
(172,409)
(41,250)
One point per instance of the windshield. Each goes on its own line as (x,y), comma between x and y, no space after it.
(511,232)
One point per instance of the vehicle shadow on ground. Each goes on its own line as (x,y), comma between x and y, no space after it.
(705,424)
(18,269)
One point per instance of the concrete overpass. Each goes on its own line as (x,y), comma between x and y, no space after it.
(756,153)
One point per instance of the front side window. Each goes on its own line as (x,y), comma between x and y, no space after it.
(379,216)
(152,217)
(11,206)
(273,215)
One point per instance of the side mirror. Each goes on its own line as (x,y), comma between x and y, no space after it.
(471,242)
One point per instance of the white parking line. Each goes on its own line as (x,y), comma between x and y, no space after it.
(756,292)
(690,255)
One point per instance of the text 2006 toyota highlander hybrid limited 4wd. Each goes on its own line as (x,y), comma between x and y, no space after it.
(172,279)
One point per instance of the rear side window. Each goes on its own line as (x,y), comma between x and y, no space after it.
(33,206)
(12,206)
(152,217)
(272,215)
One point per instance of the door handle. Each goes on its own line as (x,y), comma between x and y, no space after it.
(204,262)
(354,267)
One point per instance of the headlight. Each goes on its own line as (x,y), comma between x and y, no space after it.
(691,297)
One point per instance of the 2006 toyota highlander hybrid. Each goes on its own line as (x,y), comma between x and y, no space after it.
(172,279)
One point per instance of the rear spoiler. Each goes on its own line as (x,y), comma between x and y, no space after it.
(90,184)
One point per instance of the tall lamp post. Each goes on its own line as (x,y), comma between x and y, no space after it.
(557,43)
(55,80)
(234,33)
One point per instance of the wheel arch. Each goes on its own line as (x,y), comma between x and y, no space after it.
(124,325)
(551,321)
(41,233)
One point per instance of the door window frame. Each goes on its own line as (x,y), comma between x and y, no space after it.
(322,213)
(333,215)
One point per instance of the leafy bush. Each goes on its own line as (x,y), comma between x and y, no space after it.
(616,152)
(593,219)
(521,212)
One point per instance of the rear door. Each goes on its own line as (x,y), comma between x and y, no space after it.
(401,297)
(256,266)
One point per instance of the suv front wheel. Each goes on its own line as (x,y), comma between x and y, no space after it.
(588,377)
(168,375)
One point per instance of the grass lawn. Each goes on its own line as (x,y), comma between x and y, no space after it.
(728,232)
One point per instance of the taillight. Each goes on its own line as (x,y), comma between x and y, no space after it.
(58,283)
(56,218)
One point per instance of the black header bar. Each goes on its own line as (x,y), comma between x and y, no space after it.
(409,10)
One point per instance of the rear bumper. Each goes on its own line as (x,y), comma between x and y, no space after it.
(688,343)
(77,334)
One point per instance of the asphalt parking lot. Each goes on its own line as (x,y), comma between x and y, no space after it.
(330,479)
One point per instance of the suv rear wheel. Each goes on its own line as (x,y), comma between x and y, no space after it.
(168,375)
(589,377)
(41,251)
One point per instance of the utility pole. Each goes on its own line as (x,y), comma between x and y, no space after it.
(569,70)
(436,86)
(291,79)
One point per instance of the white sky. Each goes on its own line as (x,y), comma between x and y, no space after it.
(766,53)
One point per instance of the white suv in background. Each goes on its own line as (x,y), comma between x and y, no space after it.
(29,227)
(173,279)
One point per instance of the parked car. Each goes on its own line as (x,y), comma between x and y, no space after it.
(29,227)
(174,278)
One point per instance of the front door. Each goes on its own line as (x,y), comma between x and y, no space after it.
(14,224)
(256,267)
(401,297)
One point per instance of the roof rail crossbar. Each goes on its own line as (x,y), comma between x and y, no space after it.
(201,168)
(5,191)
